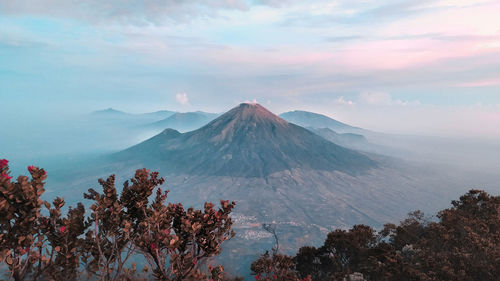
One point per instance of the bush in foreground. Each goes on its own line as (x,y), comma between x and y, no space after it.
(463,244)
(38,242)
(175,241)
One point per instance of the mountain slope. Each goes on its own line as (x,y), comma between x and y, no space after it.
(344,139)
(161,114)
(247,141)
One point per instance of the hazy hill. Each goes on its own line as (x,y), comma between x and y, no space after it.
(160,114)
(346,139)
(186,121)
(315,120)
(111,113)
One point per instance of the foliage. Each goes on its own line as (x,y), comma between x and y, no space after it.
(464,244)
(275,267)
(176,242)
(38,241)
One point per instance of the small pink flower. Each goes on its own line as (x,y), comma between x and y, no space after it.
(154,247)
(62,229)
(25,250)
(3,163)
(31,168)
(5,176)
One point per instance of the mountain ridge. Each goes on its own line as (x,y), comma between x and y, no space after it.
(316,120)
(246,141)
(184,121)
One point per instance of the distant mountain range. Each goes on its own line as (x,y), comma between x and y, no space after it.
(159,114)
(305,181)
(154,121)
(324,126)
(251,155)
(347,135)
(315,120)
(247,141)
(185,121)
(110,112)
(281,173)
(350,140)
(131,128)
(125,119)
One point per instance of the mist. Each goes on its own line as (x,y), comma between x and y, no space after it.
(55,140)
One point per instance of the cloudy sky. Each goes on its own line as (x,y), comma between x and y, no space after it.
(409,66)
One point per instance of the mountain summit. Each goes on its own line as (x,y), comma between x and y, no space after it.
(247,141)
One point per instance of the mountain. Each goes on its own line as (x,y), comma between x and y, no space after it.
(111,129)
(315,120)
(161,114)
(126,119)
(352,137)
(278,173)
(186,121)
(110,113)
(247,141)
(346,139)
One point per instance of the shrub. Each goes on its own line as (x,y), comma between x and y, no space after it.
(174,241)
(464,244)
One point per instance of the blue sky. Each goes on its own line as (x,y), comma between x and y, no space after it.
(423,67)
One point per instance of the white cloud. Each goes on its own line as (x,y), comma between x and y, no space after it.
(254,101)
(182,98)
(342,101)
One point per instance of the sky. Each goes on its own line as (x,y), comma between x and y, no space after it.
(406,66)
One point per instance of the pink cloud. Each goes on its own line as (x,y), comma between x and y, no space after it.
(182,98)
(482,83)
(378,54)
